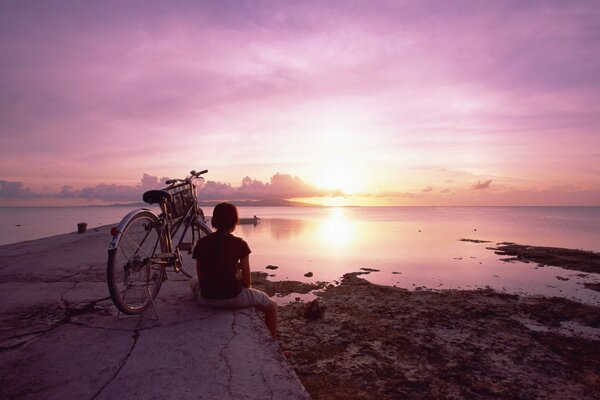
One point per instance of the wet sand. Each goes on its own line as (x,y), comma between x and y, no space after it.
(363,341)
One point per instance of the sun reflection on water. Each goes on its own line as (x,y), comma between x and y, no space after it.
(337,230)
(414,247)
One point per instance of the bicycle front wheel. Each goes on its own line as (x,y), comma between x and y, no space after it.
(135,271)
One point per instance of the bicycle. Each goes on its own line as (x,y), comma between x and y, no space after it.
(144,244)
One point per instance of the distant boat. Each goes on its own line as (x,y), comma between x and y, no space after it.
(249,221)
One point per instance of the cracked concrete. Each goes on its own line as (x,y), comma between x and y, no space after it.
(61,337)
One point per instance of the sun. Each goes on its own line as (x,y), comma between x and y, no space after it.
(337,178)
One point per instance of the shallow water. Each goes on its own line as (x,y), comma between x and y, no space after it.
(421,247)
(412,247)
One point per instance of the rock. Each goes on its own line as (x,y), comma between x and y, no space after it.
(369,269)
(308,274)
(314,310)
(271,267)
(474,240)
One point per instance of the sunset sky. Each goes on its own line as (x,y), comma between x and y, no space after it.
(388,102)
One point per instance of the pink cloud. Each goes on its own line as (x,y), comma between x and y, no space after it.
(112,192)
(280,186)
(482,185)
(16,190)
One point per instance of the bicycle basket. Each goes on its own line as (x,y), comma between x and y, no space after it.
(182,199)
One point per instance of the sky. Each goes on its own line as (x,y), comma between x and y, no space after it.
(330,102)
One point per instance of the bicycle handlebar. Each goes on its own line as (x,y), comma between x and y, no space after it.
(193,174)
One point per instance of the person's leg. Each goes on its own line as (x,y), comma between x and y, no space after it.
(195,286)
(271,317)
(250,297)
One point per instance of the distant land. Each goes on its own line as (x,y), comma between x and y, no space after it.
(239,203)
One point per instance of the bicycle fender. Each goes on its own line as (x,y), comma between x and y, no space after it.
(114,242)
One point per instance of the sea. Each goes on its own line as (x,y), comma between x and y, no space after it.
(418,248)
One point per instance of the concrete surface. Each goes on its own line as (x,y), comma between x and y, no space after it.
(61,338)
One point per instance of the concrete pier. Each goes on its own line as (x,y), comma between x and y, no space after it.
(61,338)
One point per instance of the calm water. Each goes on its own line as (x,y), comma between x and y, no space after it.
(411,246)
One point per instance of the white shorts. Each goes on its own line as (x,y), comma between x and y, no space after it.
(248,297)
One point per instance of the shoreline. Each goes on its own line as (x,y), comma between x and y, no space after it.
(385,342)
(575,260)
(362,340)
(358,340)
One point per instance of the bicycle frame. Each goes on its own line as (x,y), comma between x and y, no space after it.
(168,228)
(144,244)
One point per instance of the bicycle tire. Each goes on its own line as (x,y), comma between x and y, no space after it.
(134,275)
(188,265)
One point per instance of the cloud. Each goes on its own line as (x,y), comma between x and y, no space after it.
(427,189)
(112,192)
(280,186)
(16,190)
(482,185)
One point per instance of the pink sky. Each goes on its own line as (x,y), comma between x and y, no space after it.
(392,102)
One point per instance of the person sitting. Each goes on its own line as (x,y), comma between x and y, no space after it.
(219,256)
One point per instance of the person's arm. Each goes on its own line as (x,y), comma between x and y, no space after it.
(245,267)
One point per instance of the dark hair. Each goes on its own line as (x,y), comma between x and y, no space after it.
(225,217)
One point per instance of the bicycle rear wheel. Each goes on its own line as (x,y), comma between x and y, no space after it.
(134,271)
(188,265)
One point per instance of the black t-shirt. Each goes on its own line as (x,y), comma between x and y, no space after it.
(219,254)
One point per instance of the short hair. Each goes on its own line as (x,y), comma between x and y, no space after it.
(225,217)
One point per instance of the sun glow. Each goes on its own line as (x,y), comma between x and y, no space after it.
(337,230)
(338,145)
(337,178)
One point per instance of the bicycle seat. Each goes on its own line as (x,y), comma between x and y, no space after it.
(156,196)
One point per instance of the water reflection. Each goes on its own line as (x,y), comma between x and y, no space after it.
(279,230)
(337,231)
(408,253)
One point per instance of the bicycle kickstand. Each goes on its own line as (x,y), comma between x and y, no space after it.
(121,315)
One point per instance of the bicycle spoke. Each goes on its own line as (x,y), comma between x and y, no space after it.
(135,244)
(135,274)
